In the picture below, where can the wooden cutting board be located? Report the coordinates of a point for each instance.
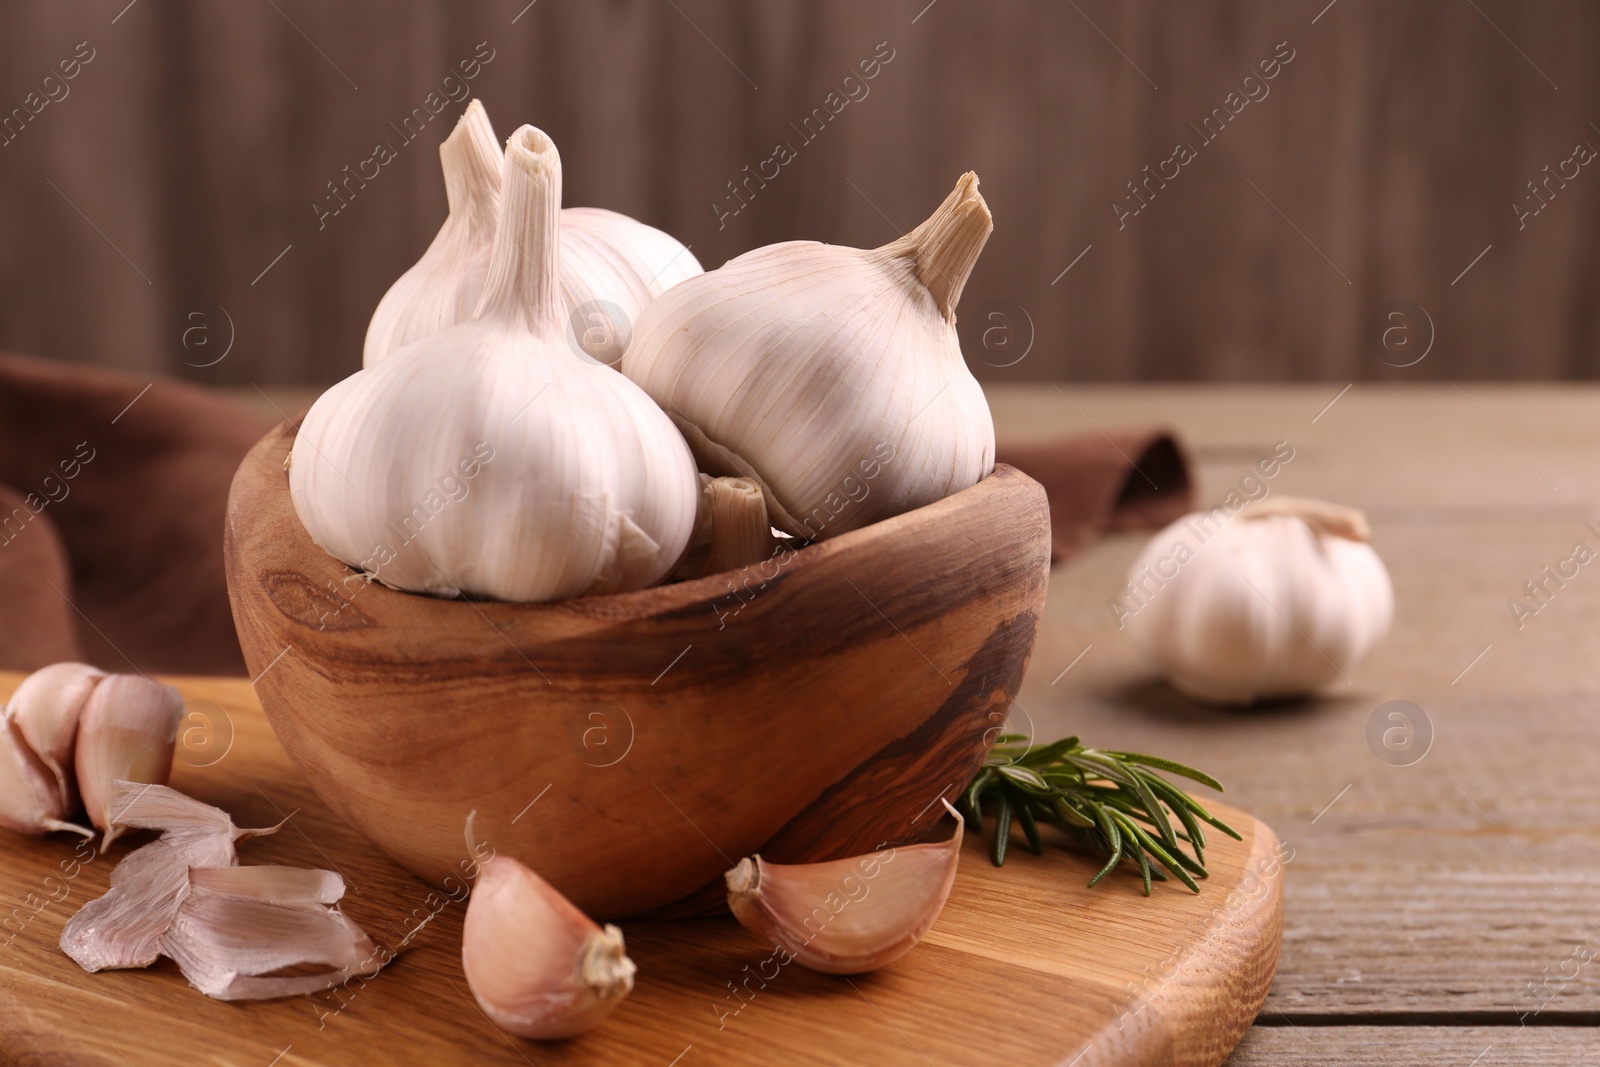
(1025, 965)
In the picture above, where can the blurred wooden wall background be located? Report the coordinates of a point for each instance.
(187, 155)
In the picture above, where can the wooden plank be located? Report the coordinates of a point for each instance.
(1355, 151)
(1025, 965)
(1417, 1046)
(1411, 892)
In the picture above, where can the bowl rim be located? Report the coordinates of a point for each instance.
(263, 475)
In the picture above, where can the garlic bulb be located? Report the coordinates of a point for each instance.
(847, 916)
(831, 375)
(1277, 601)
(538, 966)
(126, 734)
(611, 265)
(489, 458)
(442, 288)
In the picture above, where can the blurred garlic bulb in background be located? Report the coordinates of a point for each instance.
(832, 376)
(1278, 601)
(490, 458)
(611, 265)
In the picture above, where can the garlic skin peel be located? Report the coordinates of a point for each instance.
(831, 375)
(1276, 602)
(537, 965)
(443, 287)
(490, 458)
(611, 266)
(851, 915)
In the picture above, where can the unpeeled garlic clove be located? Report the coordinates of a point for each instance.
(46, 707)
(539, 967)
(126, 734)
(851, 915)
(30, 801)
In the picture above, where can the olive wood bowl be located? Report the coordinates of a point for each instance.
(631, 747)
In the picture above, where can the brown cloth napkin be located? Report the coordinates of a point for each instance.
(130, 476)
(1100, 482)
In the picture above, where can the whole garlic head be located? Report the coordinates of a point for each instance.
(832, 376)
(490, 458)
(1277, 601)
(611, 265)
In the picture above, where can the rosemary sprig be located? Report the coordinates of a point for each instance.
(1113, 800)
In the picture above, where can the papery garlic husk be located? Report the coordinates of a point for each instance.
(443, 287)
(123, 927)
(611, 265)
(538, 966)
(1276, 601)
(490, 459)
(237, 926)
(126, 733)
(851, 915)
(831, 375)
(30, 802)
(46, 707)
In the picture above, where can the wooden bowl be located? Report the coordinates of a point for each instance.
(632, 747)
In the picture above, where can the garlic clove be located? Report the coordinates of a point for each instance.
(30, 799)
(442, 288)
(46, 707)
(237, 926)
(538, 966)
(126, 734)
(833, 376)
(850, 915)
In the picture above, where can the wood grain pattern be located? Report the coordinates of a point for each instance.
(201, 135)
(1025, 966)
(810, 708)
(1453, 891)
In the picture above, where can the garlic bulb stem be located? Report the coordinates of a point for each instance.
(1320, 515)
(524, 284)
(740, 531)
(470, 158)
(946, 246)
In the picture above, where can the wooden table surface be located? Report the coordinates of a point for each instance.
(1431, 909)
